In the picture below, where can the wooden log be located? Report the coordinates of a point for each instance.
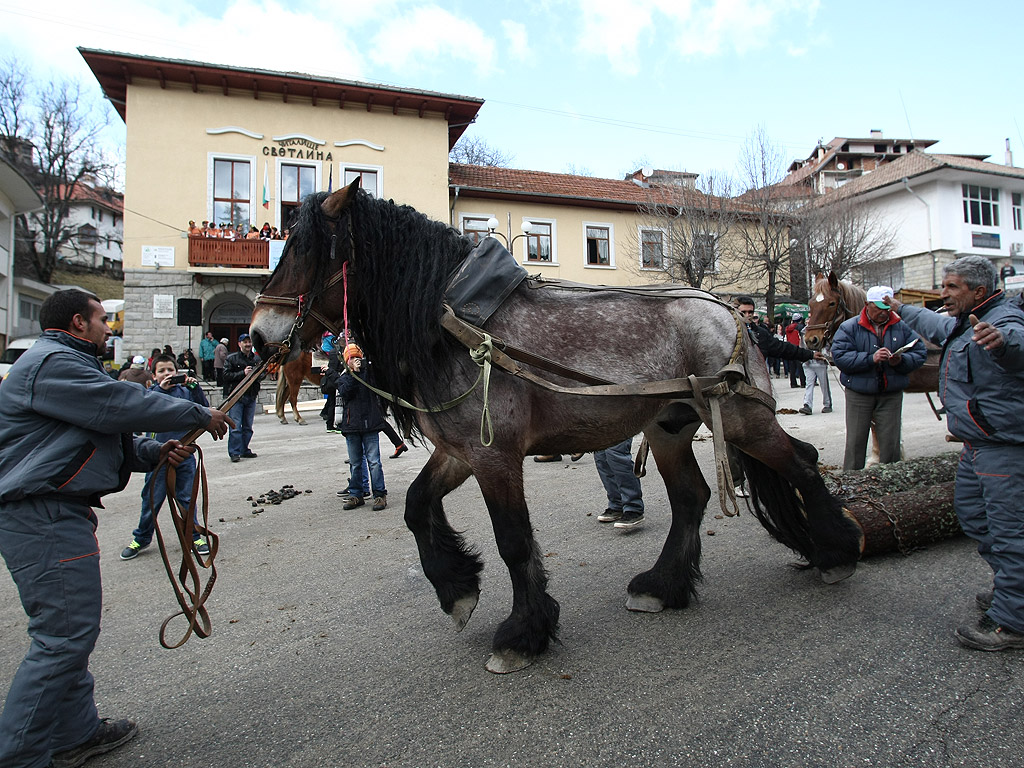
(901, 506)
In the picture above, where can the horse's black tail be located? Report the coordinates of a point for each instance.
(808, 520)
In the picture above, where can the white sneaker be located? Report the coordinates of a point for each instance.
(741, 493)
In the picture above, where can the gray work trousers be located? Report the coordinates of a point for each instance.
(886, 411)
(51, 551)
(987, 501)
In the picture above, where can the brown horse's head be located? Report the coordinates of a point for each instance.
(305, 295)
(832, 301)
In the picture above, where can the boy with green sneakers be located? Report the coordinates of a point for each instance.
(155, 490)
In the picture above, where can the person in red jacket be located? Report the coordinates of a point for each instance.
(794, 334)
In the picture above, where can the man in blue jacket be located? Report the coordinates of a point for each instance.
(981, 383)
(65, 441)
(871, 352)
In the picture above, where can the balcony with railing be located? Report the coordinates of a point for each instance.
(209, 252)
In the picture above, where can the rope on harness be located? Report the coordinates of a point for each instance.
(481, 355)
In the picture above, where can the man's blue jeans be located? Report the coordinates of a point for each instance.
(157, 483)
(242, 413)
(364, 445)
(615, 468)
(50, 549)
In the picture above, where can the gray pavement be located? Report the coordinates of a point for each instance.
(329, 648)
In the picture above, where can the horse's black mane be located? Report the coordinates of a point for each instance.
(397, 274)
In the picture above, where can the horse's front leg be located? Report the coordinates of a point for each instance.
(451, 566)
(533, 622)
(672, 581)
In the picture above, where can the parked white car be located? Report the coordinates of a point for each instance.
(14, 350)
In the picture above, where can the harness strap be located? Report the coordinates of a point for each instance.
(723, 472)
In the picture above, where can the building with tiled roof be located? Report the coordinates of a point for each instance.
(843, 159)
(586, 229)
(941, 207)
(96, 219)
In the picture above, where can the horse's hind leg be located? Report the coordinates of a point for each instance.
(671, 582)
(533, 622)
(294, 400)
(451, 566)
(281, 395)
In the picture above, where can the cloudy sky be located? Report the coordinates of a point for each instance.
(604, 86)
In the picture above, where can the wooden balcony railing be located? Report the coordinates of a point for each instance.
(213, 252)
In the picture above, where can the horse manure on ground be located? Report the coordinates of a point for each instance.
(275, 497)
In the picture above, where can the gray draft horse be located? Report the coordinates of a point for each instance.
(389, 264)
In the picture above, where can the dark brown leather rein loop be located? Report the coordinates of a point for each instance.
(189, 590)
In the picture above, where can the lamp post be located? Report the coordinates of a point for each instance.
(492, 225)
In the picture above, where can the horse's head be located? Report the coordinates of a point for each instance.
(305, 295)
(826, 311)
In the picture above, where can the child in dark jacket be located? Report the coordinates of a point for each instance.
(361, 420)
(155, 490)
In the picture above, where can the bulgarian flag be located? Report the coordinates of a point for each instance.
(266, 189)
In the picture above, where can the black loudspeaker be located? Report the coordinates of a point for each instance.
(190, 312)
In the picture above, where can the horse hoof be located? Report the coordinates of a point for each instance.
(301, 421)
(503, 662)
(463, 609)
(644, 603)
(284, 421)
(837, 574)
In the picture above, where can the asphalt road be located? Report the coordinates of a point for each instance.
(329, 648)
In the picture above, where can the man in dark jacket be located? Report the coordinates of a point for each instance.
(237, 366)
(873, 353)
(981, 384)
(361, 420)
(770, 346)
(65, 441)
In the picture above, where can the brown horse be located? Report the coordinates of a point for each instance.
(350, 250)
(833, 301)
(290, 376)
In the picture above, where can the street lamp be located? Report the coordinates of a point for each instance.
(492, 225)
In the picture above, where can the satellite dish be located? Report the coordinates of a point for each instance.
(647, 171)
(840, 166)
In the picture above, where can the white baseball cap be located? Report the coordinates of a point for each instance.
(877, 294)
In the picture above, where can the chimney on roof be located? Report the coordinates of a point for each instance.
(876, 133)
(1009, 155)
(19, 150)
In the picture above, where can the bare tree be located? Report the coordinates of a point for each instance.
(841, 235)
(472, 150)
(63, 131)
(684, 229)
(768, 216)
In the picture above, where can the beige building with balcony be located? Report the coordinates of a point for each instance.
(226, 144)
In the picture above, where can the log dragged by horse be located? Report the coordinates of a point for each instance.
(390, 265)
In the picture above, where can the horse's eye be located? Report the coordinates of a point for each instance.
(831, 303)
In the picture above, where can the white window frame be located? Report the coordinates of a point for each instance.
(463, 216)
(611, 244)
(318, 183)
(665, 247)
(992, 203)
(362, 168)
(1017, 210)
(554, 242)
(251, 159)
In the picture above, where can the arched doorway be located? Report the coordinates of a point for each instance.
(230, 319)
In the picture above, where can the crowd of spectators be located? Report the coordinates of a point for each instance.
(229, 231)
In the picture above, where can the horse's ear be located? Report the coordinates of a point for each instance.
(819, 277)
(833, 280)
(335, 204)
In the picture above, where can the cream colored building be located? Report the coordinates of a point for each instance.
(207, 142)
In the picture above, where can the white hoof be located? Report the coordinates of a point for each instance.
(503, 662)
(644, 603)
(463, 609)
(837, 574)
